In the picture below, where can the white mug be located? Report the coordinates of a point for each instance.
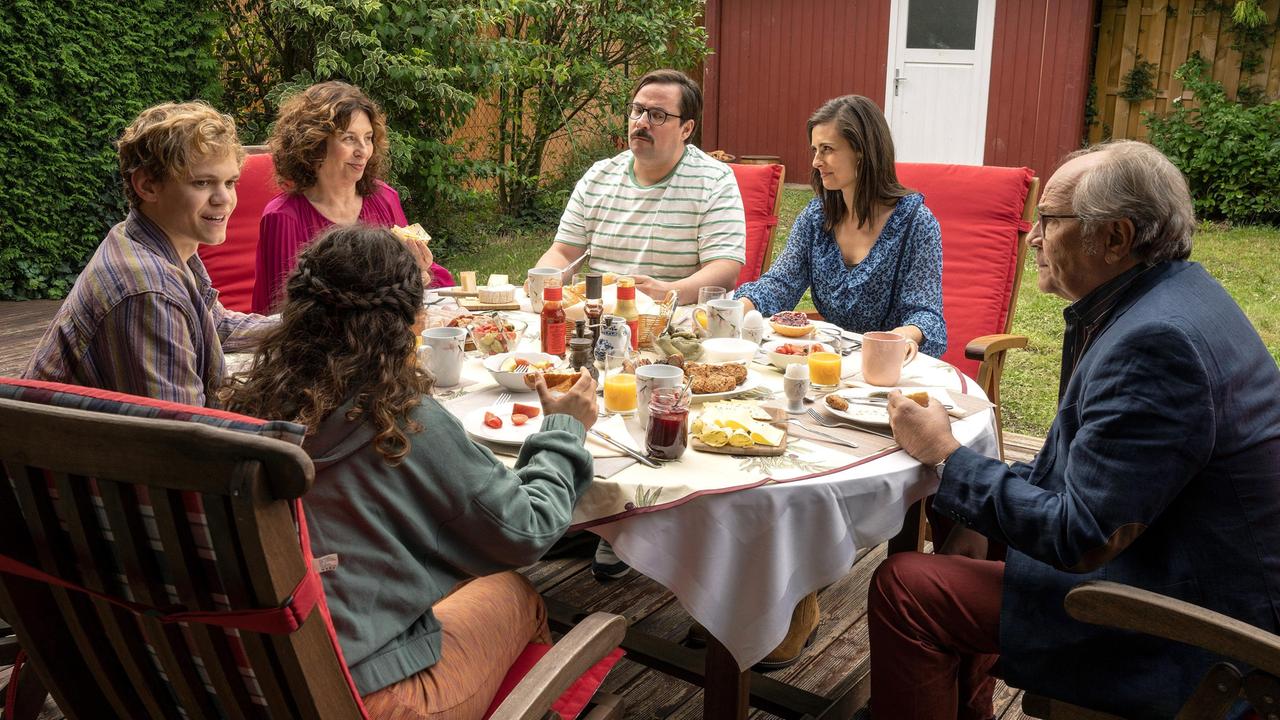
(724, 318)
(537, 281)
(443, 351)
(650, 377)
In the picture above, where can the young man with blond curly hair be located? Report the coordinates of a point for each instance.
(143, 317)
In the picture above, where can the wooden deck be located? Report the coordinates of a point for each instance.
(836, 660)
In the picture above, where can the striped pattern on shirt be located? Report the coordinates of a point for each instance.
(667, 230)
(138, 321)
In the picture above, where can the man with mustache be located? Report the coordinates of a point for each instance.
(662, 211)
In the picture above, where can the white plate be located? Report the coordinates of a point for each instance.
(876, 415)
(508, 434)
(751, 383)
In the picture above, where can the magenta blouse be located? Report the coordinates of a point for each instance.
(290, 222)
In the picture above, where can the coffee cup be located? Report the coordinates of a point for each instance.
(442, 350)
(724, 318)
(883, 356)
(537, 281)
(649, 378)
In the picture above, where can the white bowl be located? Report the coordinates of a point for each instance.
(717, 350)
(782, 360)
(514, 381)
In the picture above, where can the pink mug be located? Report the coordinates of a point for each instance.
(883, 356)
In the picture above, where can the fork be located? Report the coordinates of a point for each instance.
(819, 433)
(827, 422)
(503, 399)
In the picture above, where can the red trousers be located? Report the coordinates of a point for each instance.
(935, 629)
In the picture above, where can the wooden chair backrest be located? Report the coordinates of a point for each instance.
(160, 512)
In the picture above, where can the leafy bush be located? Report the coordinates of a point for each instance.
(1229, 152)
(72, 75)
(561, 65)
(421, 60)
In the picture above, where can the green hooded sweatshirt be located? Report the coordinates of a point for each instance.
(404, 536)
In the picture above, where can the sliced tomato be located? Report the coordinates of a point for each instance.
(492, 420)
(527, 410)
(519, 419)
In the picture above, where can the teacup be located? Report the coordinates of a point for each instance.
(648, 379)
(724, 318)
(442, 349)
(883, 356)
(537, 281)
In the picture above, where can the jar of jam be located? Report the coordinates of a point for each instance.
(667, 434)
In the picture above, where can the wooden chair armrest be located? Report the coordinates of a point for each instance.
(981, 348)
(583, 646)
(1130, 608)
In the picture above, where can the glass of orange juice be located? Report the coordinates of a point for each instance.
(824, 369)
(620, 393)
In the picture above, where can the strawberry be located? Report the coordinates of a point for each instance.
(527, 410)
(519, 419)
(492, 420)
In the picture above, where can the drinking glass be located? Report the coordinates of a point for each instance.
(705, 295)
(619, 385)
(824, 369)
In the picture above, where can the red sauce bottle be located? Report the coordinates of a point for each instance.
(553, 321)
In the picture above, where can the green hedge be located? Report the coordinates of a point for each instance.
(72, 75)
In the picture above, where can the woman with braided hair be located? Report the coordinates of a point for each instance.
(425, 524)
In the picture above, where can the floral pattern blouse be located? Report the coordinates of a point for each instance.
(898, 283)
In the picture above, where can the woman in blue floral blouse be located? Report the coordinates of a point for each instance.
(869, 248)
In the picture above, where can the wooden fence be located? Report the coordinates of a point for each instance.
(1165, 33)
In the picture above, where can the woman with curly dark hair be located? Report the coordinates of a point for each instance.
(329, 146)
(423, 522)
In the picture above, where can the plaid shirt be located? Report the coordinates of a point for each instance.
(139, 322)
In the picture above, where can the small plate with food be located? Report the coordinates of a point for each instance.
(788, 352)
(504, 424)
(868, 405)
(715, 381)
(792, 324)
(510, 369)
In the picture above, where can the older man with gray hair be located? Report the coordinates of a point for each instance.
(1161, 470)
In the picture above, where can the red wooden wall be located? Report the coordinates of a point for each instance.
(776, 61)
(1039, 81)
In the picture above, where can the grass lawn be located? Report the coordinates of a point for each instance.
(1240, 258)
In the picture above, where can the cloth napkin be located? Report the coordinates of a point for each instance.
(615, 426)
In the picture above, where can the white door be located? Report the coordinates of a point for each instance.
(939, 74)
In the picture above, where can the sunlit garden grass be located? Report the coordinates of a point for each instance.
(1241, 258)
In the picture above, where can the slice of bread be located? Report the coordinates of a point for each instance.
(921, 398)
(558, 381)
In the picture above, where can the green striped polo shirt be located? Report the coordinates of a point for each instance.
(667, 230)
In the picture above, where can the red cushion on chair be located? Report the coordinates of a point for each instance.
(574, 699)
(980, 211)
(232, 264)
(759, 185)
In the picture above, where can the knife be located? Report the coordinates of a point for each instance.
(566, 275)
(638, 456)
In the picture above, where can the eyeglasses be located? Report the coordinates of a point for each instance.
(1049, 216)
(657, 116)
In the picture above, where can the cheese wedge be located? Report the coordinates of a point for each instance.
(741, 438)
(497, 279)
(714, 436)
(467, 280)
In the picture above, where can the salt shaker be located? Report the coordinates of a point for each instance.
(753, 327)
(795, 385)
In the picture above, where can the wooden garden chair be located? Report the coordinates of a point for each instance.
(1129, 608)
(181, 530)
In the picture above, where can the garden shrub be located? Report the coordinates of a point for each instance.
(72, 75)
(1229, 152)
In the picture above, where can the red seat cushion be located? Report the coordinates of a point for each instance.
(980, 211)
(232, 264)
(574, 699)
(759, 185)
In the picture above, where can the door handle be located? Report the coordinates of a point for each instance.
(897, 81)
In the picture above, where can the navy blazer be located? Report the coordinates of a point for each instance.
(1162, 471)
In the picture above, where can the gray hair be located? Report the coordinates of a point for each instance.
(1135, 181)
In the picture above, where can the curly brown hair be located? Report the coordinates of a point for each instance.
(300, 138)
(346, 332)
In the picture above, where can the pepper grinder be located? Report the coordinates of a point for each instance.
(795, 385)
